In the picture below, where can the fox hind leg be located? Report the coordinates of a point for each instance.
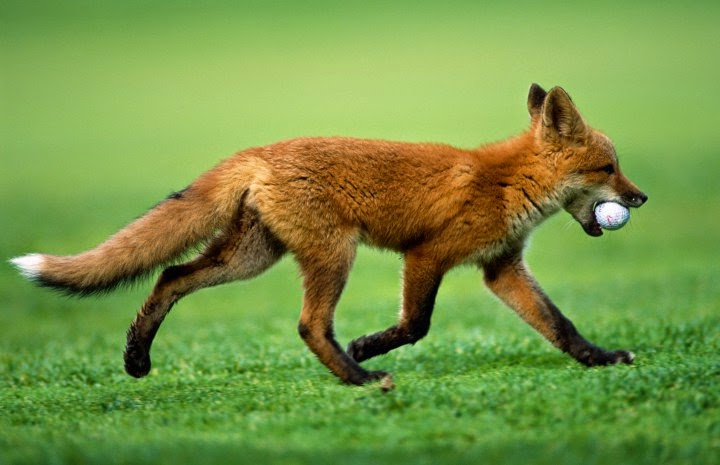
(243, 251)
(324, 279)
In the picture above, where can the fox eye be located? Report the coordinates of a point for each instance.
(609, 169)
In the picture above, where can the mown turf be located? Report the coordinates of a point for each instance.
(107, 107)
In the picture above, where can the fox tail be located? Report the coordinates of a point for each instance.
(161, 236)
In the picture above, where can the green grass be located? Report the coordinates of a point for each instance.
(107, 107)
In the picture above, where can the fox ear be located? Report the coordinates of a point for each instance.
(560, 118)
(536, 97)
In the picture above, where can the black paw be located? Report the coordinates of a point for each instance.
(385, 379)
(365, 347)
(599, 357)
(622, 356)
(354, 350)
(137, 361)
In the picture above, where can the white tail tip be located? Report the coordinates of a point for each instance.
(29, 265)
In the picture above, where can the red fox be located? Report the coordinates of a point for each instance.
(318, 198)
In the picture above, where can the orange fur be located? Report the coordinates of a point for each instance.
(318, 198)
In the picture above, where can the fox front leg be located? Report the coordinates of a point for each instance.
(510, 280)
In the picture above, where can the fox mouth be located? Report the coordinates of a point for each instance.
(585, 216)
(592, 227)
(582, 209)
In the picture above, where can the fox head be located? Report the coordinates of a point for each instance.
(584, 158)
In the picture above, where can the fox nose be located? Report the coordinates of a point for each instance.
(638, 199)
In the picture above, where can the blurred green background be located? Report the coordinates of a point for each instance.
(108, 106)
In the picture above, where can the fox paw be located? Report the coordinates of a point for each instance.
(355, 351)
(137, 361)
(622, 356)
(366, 377)
(601, 357)
(385, 378)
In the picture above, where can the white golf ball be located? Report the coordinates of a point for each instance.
(611, 215)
